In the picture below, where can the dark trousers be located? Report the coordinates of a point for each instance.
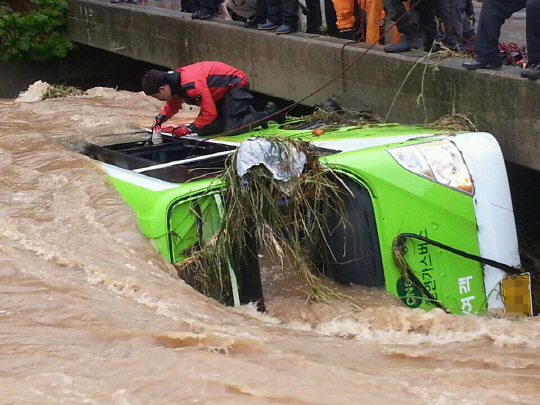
(456, 24)
(283, 12)
(469, 10)
(206, 7)
(234, 111)
(330, 17)
(186, 6)
(469, 14)
(493, 15)
(261, 12)
(314, 18)
(423, 16)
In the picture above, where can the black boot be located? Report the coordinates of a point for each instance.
(346, 33)
(532, 72)
(272, 108)
(432, 46)
(253, 22)
(405, 44)
(477, 64)
(201, 15)
(330, 105)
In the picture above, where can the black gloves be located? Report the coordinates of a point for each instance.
(158, 121)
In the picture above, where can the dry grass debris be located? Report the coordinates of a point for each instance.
(57, 91)
(329, 120)
(455, 123)
(290, 216)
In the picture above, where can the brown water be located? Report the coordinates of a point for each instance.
(90, 313)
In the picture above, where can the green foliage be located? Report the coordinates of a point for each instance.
(36, 33)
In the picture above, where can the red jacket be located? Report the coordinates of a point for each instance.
(202, 84)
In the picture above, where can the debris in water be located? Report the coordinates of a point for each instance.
(34, 93)
(39, 91)
(56, 91)
(290, 218)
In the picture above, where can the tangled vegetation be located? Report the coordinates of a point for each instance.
(33, 29)
(455, 123)
(327, 119)
(290, 216)
(56, 91)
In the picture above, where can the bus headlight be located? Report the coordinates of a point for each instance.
(439, 161)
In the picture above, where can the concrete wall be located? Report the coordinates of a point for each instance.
(82, 68)
(18, 75)
(294, 66)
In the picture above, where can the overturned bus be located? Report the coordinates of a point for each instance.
(441, 199)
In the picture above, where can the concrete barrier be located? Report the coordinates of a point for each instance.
(405, 88)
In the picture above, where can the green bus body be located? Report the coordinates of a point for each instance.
(403, 202)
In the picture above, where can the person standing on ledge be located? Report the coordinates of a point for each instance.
(420, 16)
(221, 91)
(282, 16)
(492, 16)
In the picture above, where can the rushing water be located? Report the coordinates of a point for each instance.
(90, 313)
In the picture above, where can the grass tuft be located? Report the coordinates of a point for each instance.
(290, 218)
(57, 91)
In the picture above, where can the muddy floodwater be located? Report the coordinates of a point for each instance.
(90, 313)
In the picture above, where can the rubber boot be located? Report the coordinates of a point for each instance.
(346, 33)
(405, 44)
(272, 108)
(532, 72)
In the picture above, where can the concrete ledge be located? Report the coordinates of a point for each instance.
(293, 66)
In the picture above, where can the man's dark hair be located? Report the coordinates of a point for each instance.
(152, 81)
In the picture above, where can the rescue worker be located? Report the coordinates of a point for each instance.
(408, 23)
(455, 24)
(375, 26)
(492, 16)
(221, 91)
(345, 19)
(354, 20)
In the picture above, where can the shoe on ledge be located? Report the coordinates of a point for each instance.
(199, 15)
(405, 44)
(253, 22)
(267, 26)
(284, 29)
(476, 64)
(346, 33)
(532, 72)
